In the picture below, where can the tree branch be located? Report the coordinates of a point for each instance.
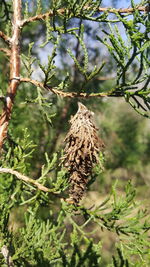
(27, 180)
(5, 38)
(61, 11)
(69, 94)
(14, 71)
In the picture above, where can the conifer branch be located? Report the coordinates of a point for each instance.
(112, 93)
(42, 16)
(69, 94)
(61, 11)
(5, 38)
(26, 179)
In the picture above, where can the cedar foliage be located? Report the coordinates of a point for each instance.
(40, 228)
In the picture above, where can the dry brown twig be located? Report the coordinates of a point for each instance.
(81, 152)
(25, 179)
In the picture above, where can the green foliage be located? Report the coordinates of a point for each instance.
(111, 225)
(28, 60)
(43, 237)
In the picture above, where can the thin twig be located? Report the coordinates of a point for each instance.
(42, 16)
(69, 94)
(5, 38)
(61, 11)
(138, 103)
(26, 179)
(111, 93)
(124, 10)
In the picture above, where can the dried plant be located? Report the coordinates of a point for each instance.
(81, 152)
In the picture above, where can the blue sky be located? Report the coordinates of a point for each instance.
(121, 3)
